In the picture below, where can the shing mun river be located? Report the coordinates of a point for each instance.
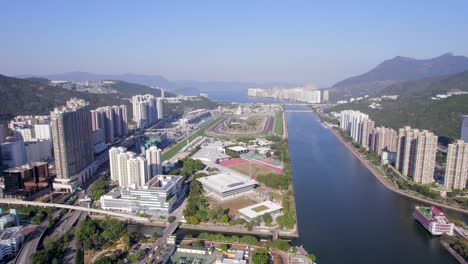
(345, 215)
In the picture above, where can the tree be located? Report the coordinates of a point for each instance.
(260, 256)
(267, 219)
(223, 247)
(192, 220)
(225, 218)
(171, 218)
(312, 257)
(196, 244)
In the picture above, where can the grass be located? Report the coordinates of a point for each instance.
(260, 208)
(278, 123)
(244, 168)
(232, 205)
(177, 147)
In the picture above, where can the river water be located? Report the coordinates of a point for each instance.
(344, 213)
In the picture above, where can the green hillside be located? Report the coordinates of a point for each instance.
(442, 117)
(25, 97)
(415, 107)
(127, 89)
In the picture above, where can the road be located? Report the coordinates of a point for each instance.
(30, 246)
(74, 207)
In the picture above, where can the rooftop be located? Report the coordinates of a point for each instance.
(260, 209)
(228, 181)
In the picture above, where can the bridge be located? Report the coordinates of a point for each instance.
(74, 207)
(299, 111)
(303, 104)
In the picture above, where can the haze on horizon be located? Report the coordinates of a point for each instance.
(261, 41)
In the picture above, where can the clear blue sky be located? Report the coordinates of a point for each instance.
(294, 41)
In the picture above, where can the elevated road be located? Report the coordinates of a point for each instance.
(74, 207)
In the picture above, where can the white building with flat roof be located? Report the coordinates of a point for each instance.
(227, 185)
(251, 212)
(156, 198)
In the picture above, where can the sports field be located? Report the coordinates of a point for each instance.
(250, 168)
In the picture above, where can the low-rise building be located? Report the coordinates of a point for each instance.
(249, 213)
(227, 185)
(157, 197)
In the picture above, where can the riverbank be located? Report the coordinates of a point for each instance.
(383, 180)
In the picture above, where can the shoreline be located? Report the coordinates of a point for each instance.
(387, 184)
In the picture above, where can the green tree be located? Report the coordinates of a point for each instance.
(267, 219)
(223, 247)
(260, 256)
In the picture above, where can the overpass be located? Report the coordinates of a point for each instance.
(74, 207)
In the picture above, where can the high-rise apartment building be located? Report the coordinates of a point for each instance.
(456, 170)
(464, 128)
(352, 122)
(128, 168)
(383, 139)
(365, 130)
(73, 147)
(416, 154)
(154, 158)
(160, 108)
(145, 110)
(112, 120)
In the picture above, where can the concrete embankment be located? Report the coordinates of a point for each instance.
(453, 253)
(238, 230)
(285, 125)
(382, 179)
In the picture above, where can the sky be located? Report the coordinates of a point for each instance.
(317, 42)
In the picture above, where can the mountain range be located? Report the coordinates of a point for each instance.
(182, 87)
(417, 107)
(397, 70)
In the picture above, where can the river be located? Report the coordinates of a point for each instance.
(344, 213)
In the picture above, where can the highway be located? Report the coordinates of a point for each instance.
(74, 207)
(30, 245)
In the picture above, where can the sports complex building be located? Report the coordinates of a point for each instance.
(227, 185)
(249, 213)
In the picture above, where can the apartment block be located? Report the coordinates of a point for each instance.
(456, 170)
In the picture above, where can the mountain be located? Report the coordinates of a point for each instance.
(26, 97)
(415, 106)
(127, 89)
(397, 70)
(149, 80)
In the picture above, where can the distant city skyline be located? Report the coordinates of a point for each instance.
(299, 42)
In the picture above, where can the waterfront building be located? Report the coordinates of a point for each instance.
(433, 220)
(13, 154)
(73, 146)
(325, 96)
(10, 242)
(250, 213)
(157, 197)
(352, 122)
(464, 128)
(112, 120)
(365, 129)
(154, 158)
(307, 94)
(383, 139)
(416, 154)
(227, 185)
(456, 170)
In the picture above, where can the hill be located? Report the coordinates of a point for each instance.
(415, 107)
(150, 80)
(25, 97)
(126, 89)
(397, 70)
